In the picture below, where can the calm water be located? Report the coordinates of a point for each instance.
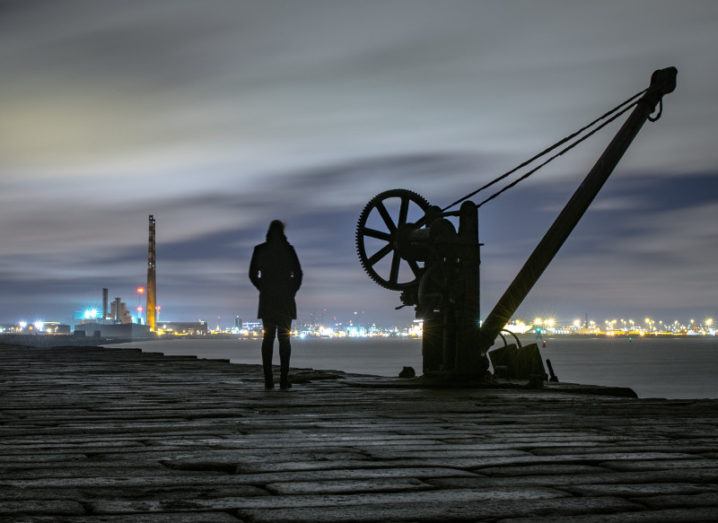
(667, 368)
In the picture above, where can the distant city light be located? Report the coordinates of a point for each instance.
(140, 290)
(326, 331)
(541, 327)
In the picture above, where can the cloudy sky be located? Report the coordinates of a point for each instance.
(219, 116)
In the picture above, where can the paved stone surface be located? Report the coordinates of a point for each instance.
(116, 435)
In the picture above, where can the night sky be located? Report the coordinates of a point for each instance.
(220, 116)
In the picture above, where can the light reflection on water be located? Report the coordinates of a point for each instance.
(667, 368)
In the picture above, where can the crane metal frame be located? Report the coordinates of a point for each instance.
(445, 290)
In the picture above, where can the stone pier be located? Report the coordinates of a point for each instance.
(118, 435)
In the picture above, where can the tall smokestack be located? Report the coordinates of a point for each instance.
(118, 310)
(152, 279)
(105, 298)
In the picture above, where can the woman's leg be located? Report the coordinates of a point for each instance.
(285, 351)
(270, 330)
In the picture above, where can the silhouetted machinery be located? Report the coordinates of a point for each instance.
(406, 244)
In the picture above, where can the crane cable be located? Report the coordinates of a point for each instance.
(552, 158)
(619, 110)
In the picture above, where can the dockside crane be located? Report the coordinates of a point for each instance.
(400, 228)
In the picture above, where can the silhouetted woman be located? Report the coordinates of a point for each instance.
(277, 275)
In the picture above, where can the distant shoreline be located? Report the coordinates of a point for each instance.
(33, 340)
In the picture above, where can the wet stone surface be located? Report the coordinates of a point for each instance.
(101, 434)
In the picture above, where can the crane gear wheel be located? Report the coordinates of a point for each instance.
(388, 235)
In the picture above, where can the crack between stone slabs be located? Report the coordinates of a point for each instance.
(86, 506)
(233, 513)
(596, 463)
(226, 468)
(637, 502)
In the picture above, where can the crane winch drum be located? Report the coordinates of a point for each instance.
(406, 244)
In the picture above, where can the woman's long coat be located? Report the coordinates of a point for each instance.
(276, 273)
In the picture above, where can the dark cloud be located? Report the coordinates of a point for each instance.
(218, 117)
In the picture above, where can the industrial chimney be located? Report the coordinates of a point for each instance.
(105, 298)
(117, 307)
(151, 279)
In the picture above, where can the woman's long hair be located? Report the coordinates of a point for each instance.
(275, 232)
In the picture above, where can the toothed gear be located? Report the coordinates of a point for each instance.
(391, 224)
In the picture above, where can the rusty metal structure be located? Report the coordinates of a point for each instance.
(152, 278)
(406, 244)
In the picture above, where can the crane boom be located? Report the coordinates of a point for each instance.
(663, 81)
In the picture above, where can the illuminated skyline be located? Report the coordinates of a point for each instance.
(705, 324)
(219, 120)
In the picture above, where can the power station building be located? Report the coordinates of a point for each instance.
(120, 313)
(113, 330)
(115, 321)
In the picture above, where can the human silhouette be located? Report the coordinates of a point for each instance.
(276, 273)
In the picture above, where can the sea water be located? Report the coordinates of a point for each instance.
(685, 367)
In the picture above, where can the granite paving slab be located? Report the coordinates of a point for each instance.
(96, 434)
